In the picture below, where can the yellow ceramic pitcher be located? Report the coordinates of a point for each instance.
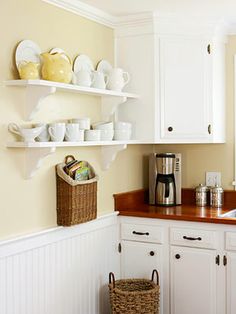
(29, 70)
(56, 67)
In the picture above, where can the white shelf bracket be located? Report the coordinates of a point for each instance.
(33, 159)
(34, 95)
(108, 154)
(110, 104)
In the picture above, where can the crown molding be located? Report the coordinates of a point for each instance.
(85, 10)
(147, 21)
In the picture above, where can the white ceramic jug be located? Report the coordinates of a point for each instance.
(27, 134)
(117, 79)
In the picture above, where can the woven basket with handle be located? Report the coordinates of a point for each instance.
(76, 200)
(134, 296)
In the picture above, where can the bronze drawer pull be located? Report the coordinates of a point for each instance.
(192, 239)
(141, 233)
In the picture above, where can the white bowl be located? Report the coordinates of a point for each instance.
(122, 135)
(107, 135)
(103, 126)
(92, 135)
(121, 125)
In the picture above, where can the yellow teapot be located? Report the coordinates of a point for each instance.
(56, 67)
(29, 70)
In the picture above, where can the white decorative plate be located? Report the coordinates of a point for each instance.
(104, 67)
(83, 62)
(27, 50)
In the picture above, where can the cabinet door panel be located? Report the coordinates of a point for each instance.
(193, 281)
(231, 283)
(185, 88)
(138, 260)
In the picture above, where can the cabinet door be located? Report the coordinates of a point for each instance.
(231, 283)
(193, 281)
(138, 260)
(185, 89)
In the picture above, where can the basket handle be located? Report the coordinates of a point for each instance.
(69, 158)
(112, 279)
(153, 274)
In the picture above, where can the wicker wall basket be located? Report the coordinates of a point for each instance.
(134, 296)
(76, 200)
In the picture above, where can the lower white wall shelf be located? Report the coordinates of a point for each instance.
(35, 152)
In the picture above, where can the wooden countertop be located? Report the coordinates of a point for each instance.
(135, 203)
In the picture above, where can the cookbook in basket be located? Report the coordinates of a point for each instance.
(76, 200)
(134, 296)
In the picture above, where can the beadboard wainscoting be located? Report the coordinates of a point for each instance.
(60, 271)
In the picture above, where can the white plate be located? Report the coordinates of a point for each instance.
(64, 54)
(83, 62)
(27, 50)
(104, 67)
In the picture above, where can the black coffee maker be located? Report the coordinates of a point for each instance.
(164, 179)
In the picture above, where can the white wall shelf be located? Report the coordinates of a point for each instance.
(37, 90)
(35, 152)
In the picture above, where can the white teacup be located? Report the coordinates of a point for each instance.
(100, 80)
(57, 131)
(44, 136)
(73, 132)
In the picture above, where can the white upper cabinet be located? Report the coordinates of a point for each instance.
(178, 69)
(185, 83)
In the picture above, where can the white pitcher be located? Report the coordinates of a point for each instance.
(118, 79)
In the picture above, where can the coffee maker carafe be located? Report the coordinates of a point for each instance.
(165, 179)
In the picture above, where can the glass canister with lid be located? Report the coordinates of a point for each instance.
(201, 195)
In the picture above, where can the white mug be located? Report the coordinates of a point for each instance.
(83, 78)
(117, 79)
(44, 136)
(57, 131)
(84, 123)
(73, 133)
(100, 80)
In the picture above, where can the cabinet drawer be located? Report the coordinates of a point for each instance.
(142, 233)
(193, 238)
(230, 241)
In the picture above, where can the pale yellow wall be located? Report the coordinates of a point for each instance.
(197, 159)
(30, 205)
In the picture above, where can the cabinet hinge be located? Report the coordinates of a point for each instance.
(209, 49)
(218, 259)
(225, 260)
(119, 247)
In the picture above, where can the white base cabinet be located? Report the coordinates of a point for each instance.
(196, 262)
(231, 283)
(193, 281)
